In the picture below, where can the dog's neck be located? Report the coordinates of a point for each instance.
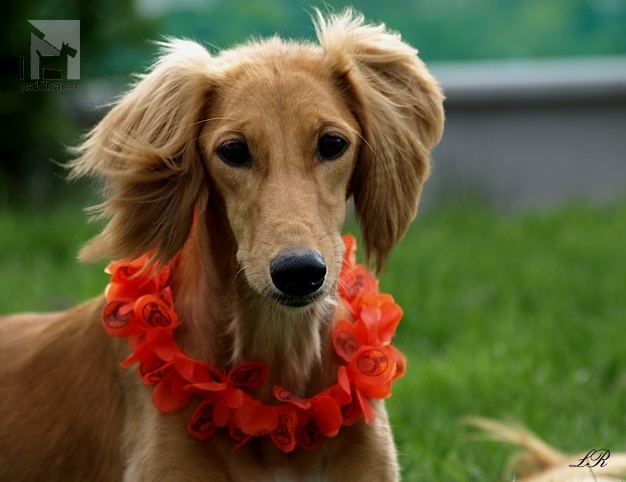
(225, 323)
(294, 343)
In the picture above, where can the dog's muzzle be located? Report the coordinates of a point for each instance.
(298, 275)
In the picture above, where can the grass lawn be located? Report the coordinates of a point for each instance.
(516, 317)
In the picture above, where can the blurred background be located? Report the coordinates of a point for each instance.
(536, 88)
(512, 281)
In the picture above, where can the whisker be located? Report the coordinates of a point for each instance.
(210, 119)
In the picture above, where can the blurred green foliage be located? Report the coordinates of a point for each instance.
(37, 125)
(441, 29)
(116, 40)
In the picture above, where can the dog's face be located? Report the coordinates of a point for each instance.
(280, 145)
(282, 133)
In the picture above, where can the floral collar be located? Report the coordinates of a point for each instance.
(140, 307)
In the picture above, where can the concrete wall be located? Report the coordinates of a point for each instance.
(528, 134)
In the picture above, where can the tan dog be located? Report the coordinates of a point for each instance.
(539, 462)
(242, 164)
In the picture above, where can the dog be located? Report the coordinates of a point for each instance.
(238, 168)
(539, 462)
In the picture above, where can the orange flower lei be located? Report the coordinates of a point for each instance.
(140, 307)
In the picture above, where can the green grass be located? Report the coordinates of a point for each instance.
(38, 265)
(519, 317)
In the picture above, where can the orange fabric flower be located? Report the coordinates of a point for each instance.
(140, 307)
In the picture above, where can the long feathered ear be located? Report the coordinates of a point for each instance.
(400, 108)
(145, 150)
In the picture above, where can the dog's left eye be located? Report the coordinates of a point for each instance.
(331, 147)
(235, 153)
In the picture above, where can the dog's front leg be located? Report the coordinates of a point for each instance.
(367, 452)
(159, 449)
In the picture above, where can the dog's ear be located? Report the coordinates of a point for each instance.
(399, 106)
(145, 151)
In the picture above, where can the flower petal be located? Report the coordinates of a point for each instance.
(221, 413)
(327, 414)
(169, 394)
(156, 374)
(371, 320)
(154, 313)
(202, 426)
(255, 418)
(233, 397)
(400, 362)
(369, 414)
(163, 344)
(309, 434)
(248, 375)
(344, 340)
(206, 387)
(116, 318)
(372, 365)
(192, 370)
(284, 435)
(357, 280)
(285, 396)
(391, 314)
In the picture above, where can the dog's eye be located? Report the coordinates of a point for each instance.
(331, 147)
(235, 153)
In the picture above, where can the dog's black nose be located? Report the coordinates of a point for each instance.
(298, 273)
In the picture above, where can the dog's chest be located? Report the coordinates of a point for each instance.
(290, 476)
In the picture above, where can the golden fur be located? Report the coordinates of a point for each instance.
(539, 462)
(67, 411)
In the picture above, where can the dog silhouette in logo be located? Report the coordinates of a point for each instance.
(54, 67)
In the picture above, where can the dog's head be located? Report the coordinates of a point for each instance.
(282, 134)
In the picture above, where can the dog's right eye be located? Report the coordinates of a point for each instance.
(330, 147)
(235, 153)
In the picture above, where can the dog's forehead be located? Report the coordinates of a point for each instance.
(288, 79)
(290, 92)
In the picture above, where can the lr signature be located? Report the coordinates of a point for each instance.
(593, 458)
